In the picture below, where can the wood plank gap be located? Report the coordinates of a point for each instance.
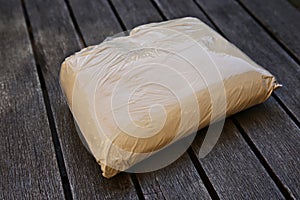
(55, 140)
(282, 45)
(77, 29)
(158, 10)
(137, 186)
(210, 19)
(284, 190)
(283, 106)
(295, 4)
(117, 15)
(212, 192)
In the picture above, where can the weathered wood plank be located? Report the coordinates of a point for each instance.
(281, 141)
(134, 13)
(244, 32)
(269, 107)
(93, 16)
(234, 170)
(172, 10)
(281, 19)
(28, 165)
(246, 183)
(55, 38)
(176, 181)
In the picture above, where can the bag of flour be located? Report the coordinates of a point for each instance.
(135, 95)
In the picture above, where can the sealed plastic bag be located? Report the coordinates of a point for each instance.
(134, 95)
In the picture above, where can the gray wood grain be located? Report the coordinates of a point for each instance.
(269, 108)
(245, 33)
(278, 140)
(234, 170)
(95, 19)
(176, 181)
(55, 38)
(281, 19)
(28, 165)
(173, 10)
(134, 13)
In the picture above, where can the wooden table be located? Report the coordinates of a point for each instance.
(41, 155)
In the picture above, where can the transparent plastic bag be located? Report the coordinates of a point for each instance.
(142, 91)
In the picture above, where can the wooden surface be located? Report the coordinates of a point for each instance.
(28, 163)
(257, 156)
(280, 19)
(83, 173)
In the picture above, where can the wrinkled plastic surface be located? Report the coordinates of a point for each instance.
(134, 95)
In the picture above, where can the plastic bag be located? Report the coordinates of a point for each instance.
(132, 96)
